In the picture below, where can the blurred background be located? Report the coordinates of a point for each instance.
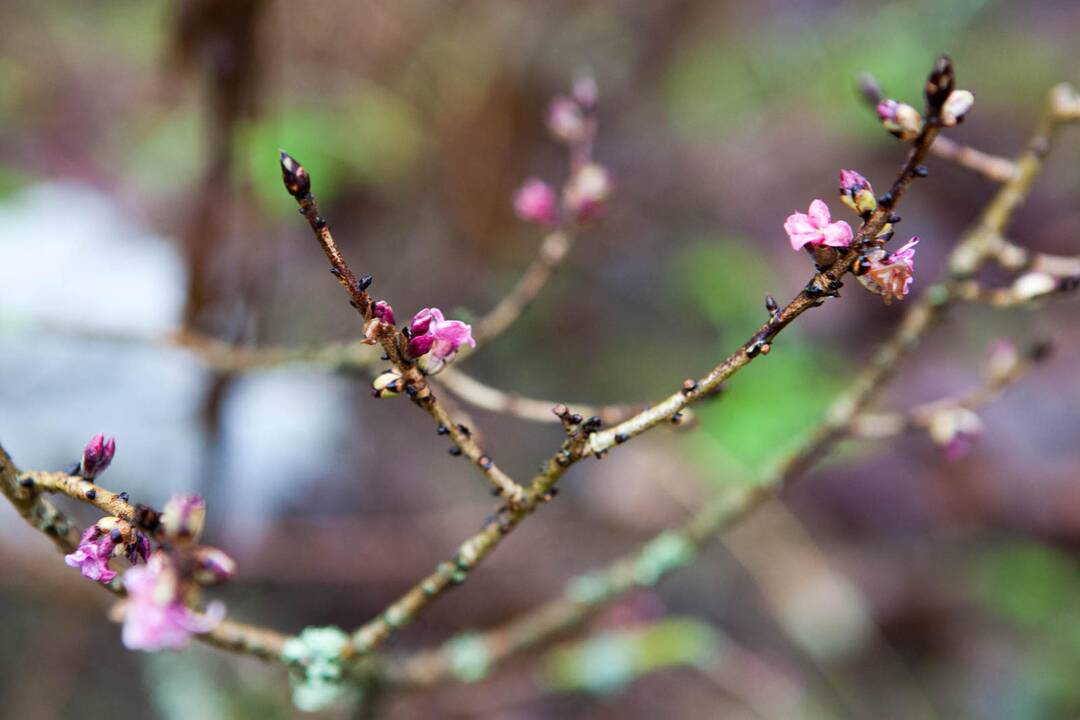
(139, 192)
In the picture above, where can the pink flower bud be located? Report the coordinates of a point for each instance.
(97, 456)
(420, 345)
(535, 202)
(384, 312)
(856, 192)
(586, 192)
(901, 119)
(183, 518)
(421, 322)
(565, 120)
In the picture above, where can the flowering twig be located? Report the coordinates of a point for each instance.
(675, 548)
(25, 491)
(394, 343)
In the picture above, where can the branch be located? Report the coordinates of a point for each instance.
(24, 490)
(298, 183)
(675, 548)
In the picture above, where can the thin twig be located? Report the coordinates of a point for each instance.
(588, 593)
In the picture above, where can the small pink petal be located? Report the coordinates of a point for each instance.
(837, 234)
(819, 214)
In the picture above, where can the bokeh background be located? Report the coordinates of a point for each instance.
(139, 192)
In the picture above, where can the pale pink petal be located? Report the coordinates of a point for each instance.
(819, 214)
(800, 231)
(837, 234)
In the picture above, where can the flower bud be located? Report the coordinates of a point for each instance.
(856, 192)
(535, 202)
(1033, 285)
(389, 384)
(421, 322)
(954, 429)
(183, 518)
(956, 107)
(420, 345)
(900, 119)
(97, 455)
(586, 192)
(296, 178)
(565, 120)
(384, 312)
(213, 566)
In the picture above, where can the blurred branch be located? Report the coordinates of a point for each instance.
(676, 548)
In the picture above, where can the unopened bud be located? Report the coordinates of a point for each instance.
(956, 107)
(384, 312)
(97, 456)
(585, 90)
(183, 518)
(389, 384)
(296, 178)
(535, 202)
(901, 119)
(586, 192)
(954, 429)
(856, 192)
(213, 566)
(940, 82)
(1034, 284)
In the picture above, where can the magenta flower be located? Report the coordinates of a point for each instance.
(384, 312)
(434, 334)
(155, 616)
(97, 456)
(93, 555)
(535, 202)
(815, 228)
(889, 274)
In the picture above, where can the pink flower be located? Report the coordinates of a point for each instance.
(536, 202)
(93, 555)
(889, 274)
(815, 228)
(97, 455)
(384, 312)
(155, 617)
(439, 336)
(955, 429)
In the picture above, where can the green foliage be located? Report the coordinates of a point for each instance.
(369, 135)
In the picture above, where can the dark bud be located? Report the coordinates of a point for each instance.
(485, 462)
(593, 423)
(442, 429)
(124, 497)
(296, 178)
(364, 282)
(147, 518)
(940, 83)
(73, 468)
(455, 451)
(922, 171)
(770, 304)
(621, 438)
(26, 481)
(689, 385)
(893, 217)
(575, 419)
(464, 430)
(1069, 283)
(116, 536)
(885, 199)
(1040, 351)
(91, 494)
